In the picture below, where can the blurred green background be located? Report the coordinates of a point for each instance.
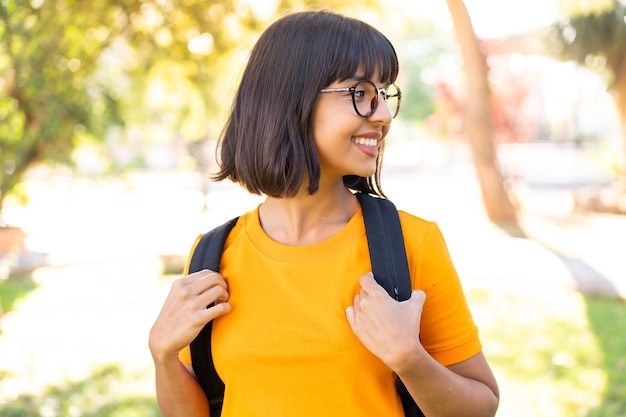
(511, 136)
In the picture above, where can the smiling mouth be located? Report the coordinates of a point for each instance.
(367, 142)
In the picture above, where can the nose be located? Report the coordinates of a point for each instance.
(383, 113)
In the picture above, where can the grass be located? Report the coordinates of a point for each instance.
(608, 322)
(106, 393)
(13, 289)
(554, 353)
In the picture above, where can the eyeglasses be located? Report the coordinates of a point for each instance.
(365, 97)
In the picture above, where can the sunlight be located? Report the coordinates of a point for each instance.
(491, 18)
(585, 7)
(261, 9)
(201, 45)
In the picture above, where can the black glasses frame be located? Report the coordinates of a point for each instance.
(374, 103)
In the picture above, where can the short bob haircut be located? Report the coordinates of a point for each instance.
(267, 144)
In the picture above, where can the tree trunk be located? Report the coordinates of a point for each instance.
(619, 93)
(479, 121)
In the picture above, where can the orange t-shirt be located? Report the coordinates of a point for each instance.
(286, 348)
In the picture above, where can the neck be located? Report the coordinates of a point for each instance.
(308, 219)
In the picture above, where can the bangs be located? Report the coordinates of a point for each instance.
(363, 51)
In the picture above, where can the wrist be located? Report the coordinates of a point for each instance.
(162, 356)
(408, 357)
(166, 360)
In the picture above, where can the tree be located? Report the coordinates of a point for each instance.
(72, 69)
(478, 121)
(48, 53)
(594, 34)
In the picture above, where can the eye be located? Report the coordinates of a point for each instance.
(359, 93)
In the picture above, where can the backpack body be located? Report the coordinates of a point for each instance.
(390, 269)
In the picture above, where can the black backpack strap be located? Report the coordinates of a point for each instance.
(208, 251)
(207, 255)
(386, 246)
(389, 264)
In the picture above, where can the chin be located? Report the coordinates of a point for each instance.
(365, 173)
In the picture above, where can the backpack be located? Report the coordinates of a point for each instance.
(390, 269)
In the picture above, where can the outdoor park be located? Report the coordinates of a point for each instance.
(511, 137)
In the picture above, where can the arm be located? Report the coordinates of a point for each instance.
(183, 315)
(178, 392)
(467, 388)
(390, 330)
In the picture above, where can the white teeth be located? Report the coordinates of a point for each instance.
(367, 142)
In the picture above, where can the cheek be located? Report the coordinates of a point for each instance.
(332, 137)
(323, 126)
(333, 126)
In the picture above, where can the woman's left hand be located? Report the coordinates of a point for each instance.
(388, 328)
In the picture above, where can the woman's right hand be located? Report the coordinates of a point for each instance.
(185, 312)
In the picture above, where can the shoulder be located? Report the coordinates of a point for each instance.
(246, 222)
(417, 230)
(234, 226)
(411, 220)
(428, 255)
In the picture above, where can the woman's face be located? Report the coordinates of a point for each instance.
(348, 144)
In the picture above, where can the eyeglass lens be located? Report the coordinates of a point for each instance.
(366, 96)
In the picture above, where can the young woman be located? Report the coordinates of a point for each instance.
(300, 326)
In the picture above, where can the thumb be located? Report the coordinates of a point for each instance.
(418, 297)
(350, 315)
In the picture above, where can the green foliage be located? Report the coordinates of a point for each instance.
(564, 352)
(608, 321)
(103, 394)
(13, 289)
(423, 53)
(48, 54)
(596, 40)
(75, 69)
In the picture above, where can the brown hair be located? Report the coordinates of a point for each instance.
(267, 144)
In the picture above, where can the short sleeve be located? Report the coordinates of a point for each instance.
(447, 330)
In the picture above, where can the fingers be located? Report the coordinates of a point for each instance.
(205, 287)
(373, 295)
(368, 283)
(354, 310)
(382, 324)
(199, 298)
(418, 296)
(217, 309)
(193, 301)
(350, 316)
(202, 280)
(369, 286)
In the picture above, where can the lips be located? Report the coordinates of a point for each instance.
(369, 146)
